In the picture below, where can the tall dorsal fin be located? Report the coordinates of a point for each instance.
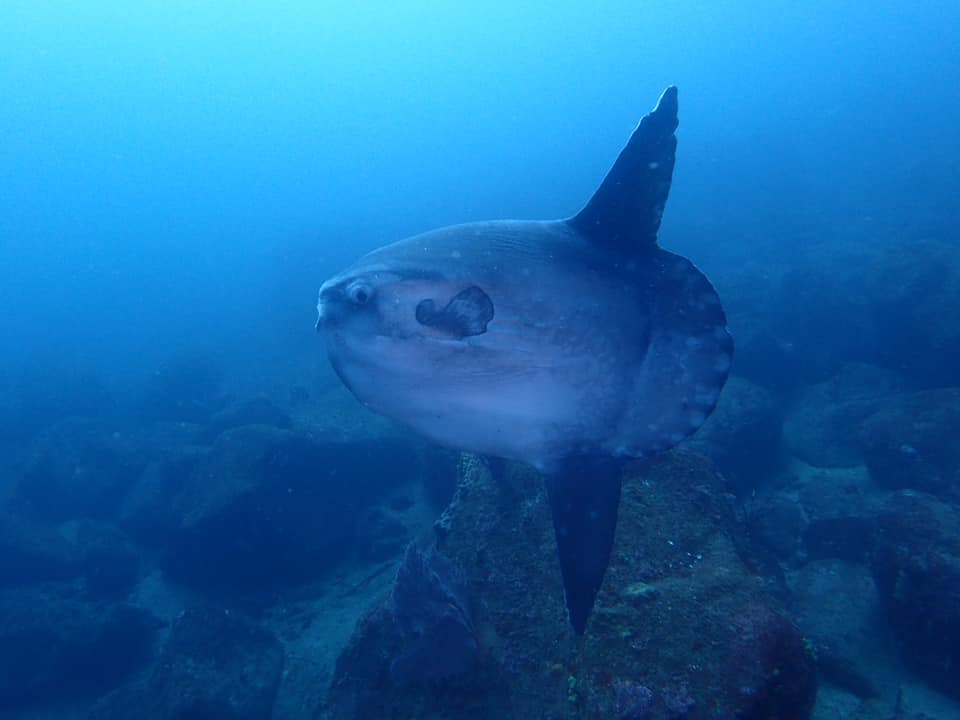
(625, 211)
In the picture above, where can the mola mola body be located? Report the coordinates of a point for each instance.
(572, 344)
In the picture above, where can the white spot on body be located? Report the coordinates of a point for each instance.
(909, 450)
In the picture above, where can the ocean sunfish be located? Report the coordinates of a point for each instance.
(572, 345)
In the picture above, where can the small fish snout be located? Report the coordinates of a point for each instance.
(328, 302)
(323, 306)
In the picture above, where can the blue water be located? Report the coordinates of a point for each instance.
(178, 178)
(187, 173)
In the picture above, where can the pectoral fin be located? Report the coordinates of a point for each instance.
(467, 313)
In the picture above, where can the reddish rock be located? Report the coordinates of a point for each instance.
(679, 613)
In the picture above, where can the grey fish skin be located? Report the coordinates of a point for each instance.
(567, 344)
(583, 353)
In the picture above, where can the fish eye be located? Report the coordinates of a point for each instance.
(359, 293)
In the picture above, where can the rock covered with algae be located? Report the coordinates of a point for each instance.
(681, 626)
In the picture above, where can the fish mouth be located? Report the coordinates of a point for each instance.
(338, 351)
(329, 330)
(328, 310)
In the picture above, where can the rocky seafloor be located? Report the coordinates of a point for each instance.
(195, 550)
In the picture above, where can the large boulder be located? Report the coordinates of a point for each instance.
(816, 513)
(186, 387)
(821, 427)
(77, 468)
(680, 627)
(776, 522)
(818, 320)
(54, 647)
(45, 393)
(911, 442)
(98, 554)
(267, 506)
(916, 562)
(148, 513)
(426, 628)
(429, 603)
(214, 664)
(381, 533)
(891, 305)
(838, 607)
(31, 553)
(253, 411)
(159, 440)
(110, 561)
(913, 295)
(742, 436)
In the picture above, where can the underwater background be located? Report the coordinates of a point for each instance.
(198, 521)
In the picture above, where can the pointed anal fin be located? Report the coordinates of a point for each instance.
(624, 213)
(584, 497)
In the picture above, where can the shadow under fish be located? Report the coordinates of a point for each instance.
(573, 345)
